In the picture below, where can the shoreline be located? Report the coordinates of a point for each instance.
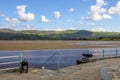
(87, 71)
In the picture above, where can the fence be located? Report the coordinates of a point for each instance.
(64, 60)
(11, 62)
(105, 53)
(56, 59)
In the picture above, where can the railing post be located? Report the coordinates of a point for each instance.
(103, 53)
(20, 58)
(59, 60)
(116, 52)
(88, 51)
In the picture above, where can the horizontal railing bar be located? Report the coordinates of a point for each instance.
(9, 68)
(9, 57)
(10, 62)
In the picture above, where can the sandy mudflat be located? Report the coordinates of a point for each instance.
(52, 44)
(88, 71)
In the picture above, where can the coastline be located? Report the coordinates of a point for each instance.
(87, 71)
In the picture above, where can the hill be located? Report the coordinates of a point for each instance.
(8, 34)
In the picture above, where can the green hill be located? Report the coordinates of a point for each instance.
(8, 34)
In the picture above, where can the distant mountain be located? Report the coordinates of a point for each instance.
(6, 30)
(8, 34)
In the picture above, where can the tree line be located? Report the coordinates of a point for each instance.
(65, 35)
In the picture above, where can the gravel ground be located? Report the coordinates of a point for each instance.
(87, 71)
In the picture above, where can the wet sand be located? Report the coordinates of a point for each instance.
(40, 45)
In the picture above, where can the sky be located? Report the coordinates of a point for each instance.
(60, 15)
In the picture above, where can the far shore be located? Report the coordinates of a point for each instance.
(56, 44)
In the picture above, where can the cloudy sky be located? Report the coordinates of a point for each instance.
(58, 15)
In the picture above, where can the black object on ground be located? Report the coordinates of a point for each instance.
(24, 66)
(87, 55)
(85, 59)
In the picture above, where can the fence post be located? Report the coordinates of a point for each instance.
(59, 60)
(20, 58)
(116, 52)
(88, 51)
(103, 53)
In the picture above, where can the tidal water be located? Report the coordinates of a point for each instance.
(54, 59)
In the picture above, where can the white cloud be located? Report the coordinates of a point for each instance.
(27, 27)
(55, 29)
(85, 18)
(14, 25)
(98, 12)
(23, 16)
(57, 14)
(106, 16)
(116, 9)
(43, 19)
(91, 24)
(98, 16)
(12, 20)
(72, 28)
(98, 30)
(98, 7)
(71, 9)
(89, 12)
(59, 29)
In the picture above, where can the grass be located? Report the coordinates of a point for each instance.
(40, 45)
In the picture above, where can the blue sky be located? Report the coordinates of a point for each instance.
(58, 15)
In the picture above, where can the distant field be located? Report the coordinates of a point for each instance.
(39, 45)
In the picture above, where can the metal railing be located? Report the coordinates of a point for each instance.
(63, 58)
(56, 59)
(105, 53)
(11, 62)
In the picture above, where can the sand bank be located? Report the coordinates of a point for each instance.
(52, 44)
